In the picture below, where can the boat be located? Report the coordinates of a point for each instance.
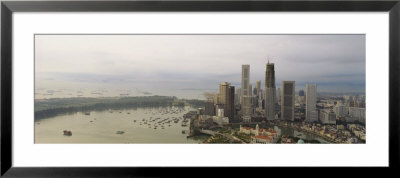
(87, 113)
(67, 132)
(120, 132)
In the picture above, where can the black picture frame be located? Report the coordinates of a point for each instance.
(8, 7)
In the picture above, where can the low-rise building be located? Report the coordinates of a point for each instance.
(263, 139)
(271, 133)
(220, 120)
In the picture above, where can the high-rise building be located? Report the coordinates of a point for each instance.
(216, 99)
(251, 96)
(209, 108)
(254, 98)
(258, 87)
(287, 100)
(238, 96)
(227, 99)
(311, 102)
(257, 94)
(246, 107)
(223, 92)
(301, 92)
(246, 91)
(245, 80)
(231, 106)
(260, 99)
(278, 96)
(270, 91)
(250, 90)
(328, 116)
(341, 110)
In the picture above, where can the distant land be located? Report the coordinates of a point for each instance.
(45, 108)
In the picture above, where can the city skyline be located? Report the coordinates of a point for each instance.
(338, 61)
(156, 69)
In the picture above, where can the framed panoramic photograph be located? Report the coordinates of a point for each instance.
(113, 88)
(128, 89)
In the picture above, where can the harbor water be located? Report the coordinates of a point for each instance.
(139, 125)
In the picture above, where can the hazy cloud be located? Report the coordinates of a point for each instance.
(334, 62)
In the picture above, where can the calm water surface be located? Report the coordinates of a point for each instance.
(102, 127)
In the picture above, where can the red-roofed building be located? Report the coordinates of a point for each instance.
(267, 135)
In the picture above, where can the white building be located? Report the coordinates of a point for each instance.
(246, 118)
(260, 135)
(219, 118)
(328, 117)
(220, 112)
(311, 102)
(357, 113)
(341, 110)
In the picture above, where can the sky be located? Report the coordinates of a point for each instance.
(336, 63)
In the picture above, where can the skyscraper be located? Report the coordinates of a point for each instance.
(231, 100)
(246, 91)
(238, 96)
(250, 90)
(287, 100)
(227, 99)
(258, 86)
(270, 91)
(301, 92)
(223, 92)
(311, 102)
(209, 108)
(245, 79)
(257, 94)
(278, 96)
